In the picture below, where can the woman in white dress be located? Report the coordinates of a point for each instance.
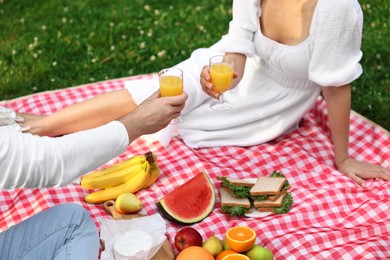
(286, 53)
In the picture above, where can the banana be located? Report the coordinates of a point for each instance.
(154, 170)
(133, 185)
(138, 159)
(113, 179)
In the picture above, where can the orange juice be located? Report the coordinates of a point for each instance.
(221, 77)
(171, 86)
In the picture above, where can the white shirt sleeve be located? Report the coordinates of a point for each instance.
(32, 161)
(337, 44)
(241, 28)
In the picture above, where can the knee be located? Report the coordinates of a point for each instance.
(74, 211)
(73, 208)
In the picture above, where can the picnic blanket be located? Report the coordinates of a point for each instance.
(331, 217)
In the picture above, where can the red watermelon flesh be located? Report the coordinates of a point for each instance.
(191, 202)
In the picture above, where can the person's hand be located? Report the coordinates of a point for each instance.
(153, 114)
(205, 82)
(359, 170)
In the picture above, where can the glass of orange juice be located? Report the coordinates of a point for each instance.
(171, 84)
(221, 73)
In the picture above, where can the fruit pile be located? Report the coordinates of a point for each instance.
(238, 244)
(128, 176)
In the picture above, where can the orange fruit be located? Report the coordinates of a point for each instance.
(236, 257)
(224, 253)
(194, 253)
(241, 238)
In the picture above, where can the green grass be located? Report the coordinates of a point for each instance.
(53, 44)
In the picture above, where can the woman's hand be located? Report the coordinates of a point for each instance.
(360, 170)
(239, 67)
(205, 82)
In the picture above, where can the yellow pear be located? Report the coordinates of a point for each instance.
(213, 245)
(127, 203)
(259, 253)
(226, 246)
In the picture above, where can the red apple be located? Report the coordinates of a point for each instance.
(187, 237)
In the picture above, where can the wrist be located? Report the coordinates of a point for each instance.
(340, 159)
(131, 125)
(340, 153)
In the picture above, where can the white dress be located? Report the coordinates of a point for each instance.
(280, 83)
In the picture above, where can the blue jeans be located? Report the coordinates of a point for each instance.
(61, 232)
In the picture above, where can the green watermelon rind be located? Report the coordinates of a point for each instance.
(167, 212)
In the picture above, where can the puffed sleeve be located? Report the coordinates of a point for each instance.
(337, 43)
(241, 28)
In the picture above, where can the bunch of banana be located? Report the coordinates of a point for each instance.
(154, 170)
(131, 175)
(96, 179)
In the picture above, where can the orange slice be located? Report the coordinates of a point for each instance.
(236, 257)
(224, 253)
(241, 238)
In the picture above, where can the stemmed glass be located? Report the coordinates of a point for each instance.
(171, 84)
(221, 72)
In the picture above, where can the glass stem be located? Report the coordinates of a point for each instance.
(220, 99)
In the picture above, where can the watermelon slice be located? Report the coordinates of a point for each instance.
(191, 202)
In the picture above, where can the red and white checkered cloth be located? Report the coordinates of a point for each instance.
(331, 217)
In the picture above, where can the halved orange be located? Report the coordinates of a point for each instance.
(241, 238)
(224, 253)
(236, 257)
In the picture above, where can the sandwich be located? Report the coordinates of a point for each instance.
(239, 188)
(234, 206)
(266, 194)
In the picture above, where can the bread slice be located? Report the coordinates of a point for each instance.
(269, 203)
(276, 196)
(267, 186)
(238, 182)
(265, 209)
(229, 200)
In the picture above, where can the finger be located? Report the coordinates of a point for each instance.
(376, 171)
(180, 107)
(214, 94)
(207, 87)
(357, 179)
(205, 73)
(203, 83)
(176, 100)
(155, 95)
(175, 115)
(207, 90)
(176, 109)
(206, 84)
(184, 96)
(385, 175)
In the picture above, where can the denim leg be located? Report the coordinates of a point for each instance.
(62, 232)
